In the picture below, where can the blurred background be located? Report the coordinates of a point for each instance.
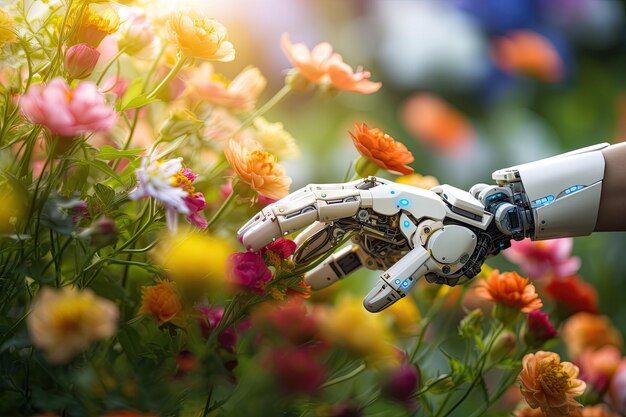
(469, 86)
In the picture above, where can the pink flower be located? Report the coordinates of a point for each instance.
(247, 269)
(538, 329)
(196, 204)
(282, 247)
(617, 388)
(537, 259)
(80, 60)
(321, 66)
(68, 111)
(115, 85)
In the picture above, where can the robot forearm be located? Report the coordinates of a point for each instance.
(550, 198)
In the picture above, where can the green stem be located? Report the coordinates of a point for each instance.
(177, 67)
(222, 208)
(345, 377)
(108, 66)
(282, 93)
(133, 126)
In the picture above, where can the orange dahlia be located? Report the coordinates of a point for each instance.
(549, 384)
(162, 302)
(510, 290)
(584, 332)
(383, 150)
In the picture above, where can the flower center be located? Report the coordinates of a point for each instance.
(68, 315)
(553, 376)
(180, 180)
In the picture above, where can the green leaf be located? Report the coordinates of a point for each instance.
(133, 91)
(105, 194)
(101, 166)
(138, 101)
(108, 153)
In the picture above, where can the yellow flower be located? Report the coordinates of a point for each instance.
(417, 180)
(65, 322)
(194, 259)
(549, 384)
(91, 26)
(162, 301)
(366, 334)
(406, 316)
(257, 168)
(199, 37)
(7, 28)
(275, 139)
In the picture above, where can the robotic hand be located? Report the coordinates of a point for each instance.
(443, 234)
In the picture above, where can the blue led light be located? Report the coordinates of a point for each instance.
(393, 192)
(542, 201)
(405, 283)
(404, 202)
(406, 223)
(397, 281)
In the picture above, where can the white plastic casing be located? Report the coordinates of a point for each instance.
(564, 191)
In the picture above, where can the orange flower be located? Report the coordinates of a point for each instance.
(529, 412)
(322, 66)
(511, 290)
(162, 301)
(528, 52)
(257, 168)
(549, 384)
(382, 149)
(437, 124)
(584, 331)
(597, 367)
(599, 410)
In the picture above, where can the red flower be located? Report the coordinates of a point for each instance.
(282, 247)
(538, 329)
(574, 294)
(291, 320)
(247, 269)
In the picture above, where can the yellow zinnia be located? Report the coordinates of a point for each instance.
(91, 26)
(7, 28)
(199, 37)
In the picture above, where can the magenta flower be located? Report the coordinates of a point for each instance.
(541, 258)
(402, 383)
(196, 204)
(538, 329)
(247, 269)
(68, 111)
(297, 370)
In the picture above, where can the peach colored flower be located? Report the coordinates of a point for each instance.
(540, 258)
(435, 123)
(239, 94)
(598, 410)
(585, 331)
(162, 302)
(321, 66)
(80, 60)
(275, 139)
(91, 26)
(550, 384)
(68, 111)
(136, 35)
(510, 289)
(67, 321)
(257, 168)
(199, 37)
(529, 412)
(418, 180)
(598, 366)
(527, 52)
(382, 149)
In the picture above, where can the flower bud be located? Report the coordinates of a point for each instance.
(101, 233)
(470, 324)
(136, 32)
(80, 60)
(441, 384)
(402, 383)
(504, 346)
(180, 123)
(538, 329)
